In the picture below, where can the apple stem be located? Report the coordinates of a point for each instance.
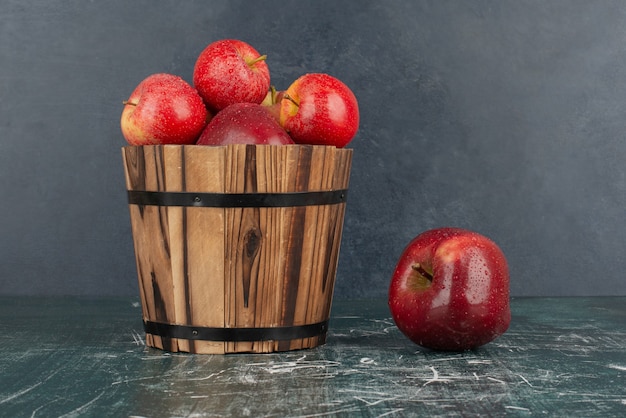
(254, 61)
(126, 102)
(273, 91)
(288, 97)
(421, 270)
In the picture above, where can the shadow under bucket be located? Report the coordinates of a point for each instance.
(236, 246)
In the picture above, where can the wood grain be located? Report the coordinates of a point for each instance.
(242, 267)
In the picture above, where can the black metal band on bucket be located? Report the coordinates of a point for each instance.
(236, 200)
(189, 332)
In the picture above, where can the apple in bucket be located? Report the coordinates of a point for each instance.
(244, 123)
(231, 71)
(450, 290)
(319, 109)
(163, 109)
(272, 102)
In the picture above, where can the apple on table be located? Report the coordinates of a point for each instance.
(450, 290)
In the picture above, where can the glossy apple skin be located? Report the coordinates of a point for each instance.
(467, 303)
(163, 109)
(319, 109)
(244, 123)
(230, 71)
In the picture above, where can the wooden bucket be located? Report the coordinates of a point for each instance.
(236, 246)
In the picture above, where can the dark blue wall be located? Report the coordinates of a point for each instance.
(505, 117)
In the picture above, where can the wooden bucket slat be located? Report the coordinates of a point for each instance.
(236, 267)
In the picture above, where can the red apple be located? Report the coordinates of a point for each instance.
(319, 109)
(244, 123)
(163, 109)
(450, 290)
(231, 71)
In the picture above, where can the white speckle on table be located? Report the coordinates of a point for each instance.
(375, 401)
(137, 338)
(19, 393)
(496, 380)
(298, 364)
(27, 389)
(517, 408)
(435, 377)
(83, 407)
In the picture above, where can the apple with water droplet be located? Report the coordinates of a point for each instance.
(163, 109)
(319, 109)
(450, 290)
(244, 123)
(231, 71)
